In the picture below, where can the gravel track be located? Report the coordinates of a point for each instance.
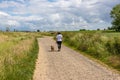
(67, 65)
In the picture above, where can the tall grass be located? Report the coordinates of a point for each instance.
(18, 52)
(99, 45)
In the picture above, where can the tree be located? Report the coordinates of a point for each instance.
(38, 30)
(109, 28)
(115, 14)
(7, 29)
(98, 29)
(82, 30)
(14, 30)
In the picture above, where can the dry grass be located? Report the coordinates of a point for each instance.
(3, 38)
(114, 60)
(18, 52)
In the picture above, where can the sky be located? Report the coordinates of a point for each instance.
(56, 15)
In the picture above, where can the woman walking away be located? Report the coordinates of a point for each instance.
(59, 40)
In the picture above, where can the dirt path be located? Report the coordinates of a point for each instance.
(67, 65)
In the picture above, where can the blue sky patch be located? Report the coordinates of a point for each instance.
(52, 0)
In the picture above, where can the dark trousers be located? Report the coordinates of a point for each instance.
(59, 44)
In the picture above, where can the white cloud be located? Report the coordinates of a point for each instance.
(55, 17)
(28, 18)
(59, 14)
(3, 14)
(13, 23)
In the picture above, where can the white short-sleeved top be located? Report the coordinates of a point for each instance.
(59, 37)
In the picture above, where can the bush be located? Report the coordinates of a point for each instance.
(113, 46)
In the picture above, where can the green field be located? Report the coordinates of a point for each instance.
(101, 45)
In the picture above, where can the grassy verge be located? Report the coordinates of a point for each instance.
(18, 53)
(98, 45)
